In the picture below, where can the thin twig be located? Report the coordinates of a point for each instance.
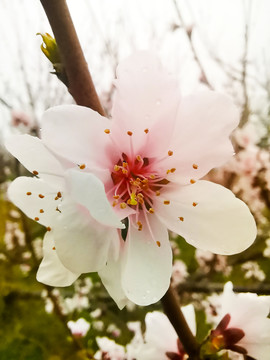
(80, 84)
(189, 37)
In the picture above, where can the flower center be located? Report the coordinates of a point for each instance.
(136, 183)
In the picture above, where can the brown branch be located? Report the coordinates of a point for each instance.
(80, 84)
(173, 311)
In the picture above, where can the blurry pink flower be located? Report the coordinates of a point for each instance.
(79, 327)
(141, 167)
(244, 313)
(161, 340)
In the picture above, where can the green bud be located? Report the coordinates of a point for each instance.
(50, 49)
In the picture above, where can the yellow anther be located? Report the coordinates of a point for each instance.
(36, 218)
(116, 197)
(132, 200)
(146, 131)
(107, 131)
(173, 170)
(28, 193)
(49, 228)
(83, 166)
(152, 176)
(151, 210)
(192, 181)
(170, 152)
(157, 193)
(195, 166)
(35, 172)
(130, 133)
(158, 243)
(41, 211)
(116, 168)
(166, 202)
(181, 218)
(194, 204)
(139, 225)
(41, 196)
(123, 205)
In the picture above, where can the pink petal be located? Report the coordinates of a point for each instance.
(35, 198)
(218, 222)
(77, 134)
(51, 271)
(147, 262)
(32, 153)
(82, 244)
(201, 138)
(89, 191)
(146, 98)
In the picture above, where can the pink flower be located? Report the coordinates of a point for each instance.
(141, 167)
(243, 323)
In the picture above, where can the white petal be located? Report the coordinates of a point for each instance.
(82, 244)
(40, 203)
(51, 271)
(147, 267)
(111, 279)
(204, 123)
(32, 153)
(77, 134)
(219, 222)
(146, 97)
(89, 191)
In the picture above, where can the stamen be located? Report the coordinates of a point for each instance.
(194, 204)
(36, 218)
(130, 133)
(82, 166)
(192, 181)
(49, 228)
(41, 196)
(28, 193)
(41, 211)
(35, 172)
(123, 205)
(107, 131)
(151, 210)
(166, 202)
(195, 166)
(158, 243)
(146, 131)
(170, 152)
(139, 225)
(181, 218)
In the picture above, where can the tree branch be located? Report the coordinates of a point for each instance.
(173, 311)
(80, 84)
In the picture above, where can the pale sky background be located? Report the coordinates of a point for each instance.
(110, 30)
